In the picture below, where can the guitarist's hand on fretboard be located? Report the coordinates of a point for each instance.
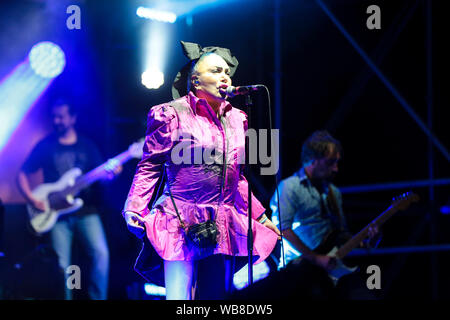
(373, 237)
(113, 168)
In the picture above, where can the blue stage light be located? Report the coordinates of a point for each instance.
(158, 15)
(47, 59)
(260, 271)
(154, 290)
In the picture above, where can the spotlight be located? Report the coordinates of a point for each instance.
(25, 84)
(154, 290)
(260, 271)
(47, 59)
(152, 78)
(158, 15)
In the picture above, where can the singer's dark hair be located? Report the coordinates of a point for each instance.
(317, 146)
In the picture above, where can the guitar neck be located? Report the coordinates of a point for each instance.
(356, 240)
(96, 174)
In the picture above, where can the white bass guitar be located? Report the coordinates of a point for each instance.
(59, 196)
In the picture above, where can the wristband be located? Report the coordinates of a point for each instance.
(263, 220)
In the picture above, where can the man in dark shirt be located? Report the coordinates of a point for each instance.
(55, 155)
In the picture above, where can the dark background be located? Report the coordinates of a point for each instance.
(324, 83)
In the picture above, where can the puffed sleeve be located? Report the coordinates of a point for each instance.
(241, 199)
(162, 123)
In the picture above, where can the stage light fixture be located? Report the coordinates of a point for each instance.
(154, 290)
(26, 83)
(158, 15)
(152, 78)
(47, 59)
(260, 271)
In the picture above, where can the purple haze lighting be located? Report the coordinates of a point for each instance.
(20, 89)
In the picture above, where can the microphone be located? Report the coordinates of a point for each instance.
(242, 90)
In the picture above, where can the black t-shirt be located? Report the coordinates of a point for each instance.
(55, 159)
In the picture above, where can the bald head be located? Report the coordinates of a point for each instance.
(210, 76)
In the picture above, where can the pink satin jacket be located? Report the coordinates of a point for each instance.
(186, 141)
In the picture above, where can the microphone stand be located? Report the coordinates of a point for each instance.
(248, 104)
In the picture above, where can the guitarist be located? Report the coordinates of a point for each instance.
(311, 213)
(59, 152)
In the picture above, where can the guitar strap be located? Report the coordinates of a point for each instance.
(331, 210)
(335, 208)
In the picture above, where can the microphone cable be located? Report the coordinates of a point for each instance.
(276, 180)
(276, 175)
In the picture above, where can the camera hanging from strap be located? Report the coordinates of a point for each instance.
(202, 235)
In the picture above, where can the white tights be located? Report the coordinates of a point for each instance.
(181, 278)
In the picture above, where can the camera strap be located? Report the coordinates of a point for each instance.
(173, 201)
(224, 170)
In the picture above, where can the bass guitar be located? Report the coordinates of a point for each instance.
(59, 196)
